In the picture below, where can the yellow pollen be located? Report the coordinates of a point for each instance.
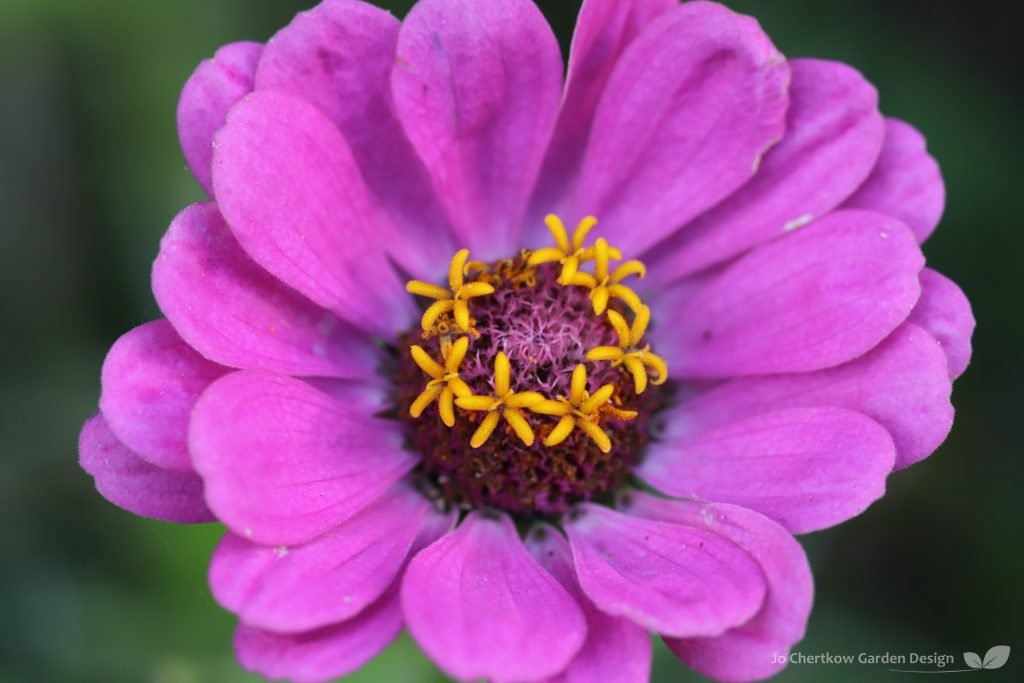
(604, 285)
(504, 403)
(445, 383)
(581, 410)
(628, 353)
(454, 300)
(449, 316)
(569, 255)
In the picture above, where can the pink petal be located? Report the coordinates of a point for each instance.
(481, 607)
(151, 380)
(293, 195)
(906, 182)
(339, 56)
(806, 468)
(369, 396)
(616, 650)
(236, 313)
(327, 580)
(130, 482)
(692, 105)
(821, 296)
(902, 384)
(322, 655)
(833, 137)
(750, 652)
(341, 648)
(283, 462)
(671, 579)
(945, 313)
(210, 92)
(604, 30)
(477, 85)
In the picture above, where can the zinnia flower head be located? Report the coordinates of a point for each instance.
(530, 365)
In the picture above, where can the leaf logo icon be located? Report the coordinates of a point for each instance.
(995, 658)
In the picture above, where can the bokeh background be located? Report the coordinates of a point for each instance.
(90, 176)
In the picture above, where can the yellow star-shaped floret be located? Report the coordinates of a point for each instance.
(569, 255)
(454, 299)
(503, 403)
(445, 383)
(604, 285)
(637, 360)
(582, 410)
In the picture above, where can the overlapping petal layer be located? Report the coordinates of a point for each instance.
(691, 106)
(671, 579)
(289, 187)
(128, 481)
(757, 649)
(283, 462)
(906, 182)
(209, 94)
(833, 138)
(339, 56)
(151, 380)
(238, 314)
(327, 580)
(481, 607)
(604, 30)
(821, 296)
(902, 384)
(806, 468)
(945, 313)
(340, 648)
(616, 650)
(476, 85)
(324, 654)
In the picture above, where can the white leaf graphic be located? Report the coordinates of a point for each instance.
(972, 660)
(996, 657)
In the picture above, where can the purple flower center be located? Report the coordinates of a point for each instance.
(545, 329)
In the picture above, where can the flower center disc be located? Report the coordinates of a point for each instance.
(545, 330)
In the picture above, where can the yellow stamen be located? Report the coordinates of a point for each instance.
(424, 400)
(445, 384)
(578, 388)
(449, 314)
(637, 361)
(478, 403)
(597, 399)
(435, 311)
(629, 268)
(597, 434)
(621, 327)
(569, 255)
(612, 353)
(581, 410)
(603, 285)
(639, 372)
(561, 431)
(580, 235)
(639, 326)
(627, 295)
(504, 403)
(484, 431)
(519, 425)
(425, 289)
(454, 299)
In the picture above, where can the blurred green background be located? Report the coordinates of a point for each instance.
(91, 175)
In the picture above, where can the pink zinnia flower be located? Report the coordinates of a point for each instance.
(471, 469)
